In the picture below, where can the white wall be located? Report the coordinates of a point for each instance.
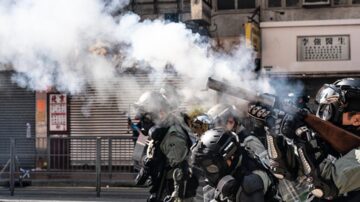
(279, 45)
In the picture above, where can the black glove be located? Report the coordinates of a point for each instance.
(259, 113)
(142, 176)
(287, 125)
(279, 122)
(145, 172)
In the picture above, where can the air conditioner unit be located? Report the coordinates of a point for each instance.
(201, 11)
(308, 3)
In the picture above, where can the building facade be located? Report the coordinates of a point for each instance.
(312, 41)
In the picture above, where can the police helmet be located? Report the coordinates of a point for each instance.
(221, 112)
(217, 153)
(148, 107)
(152, 101)
(201, 124)
(334, 99)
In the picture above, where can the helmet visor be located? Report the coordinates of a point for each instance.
(325, 112)
(328, 94)
(201, 124)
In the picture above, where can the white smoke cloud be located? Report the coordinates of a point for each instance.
(159, 44)
(48, 44)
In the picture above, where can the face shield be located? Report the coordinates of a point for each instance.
(223, 114)
(331, 101)
(329, 94)
(201, 124)
(148, 109)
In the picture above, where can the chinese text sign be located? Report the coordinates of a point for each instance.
(323, 48)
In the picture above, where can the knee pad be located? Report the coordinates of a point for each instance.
(257, 196)
(226, 185)
(252, 183)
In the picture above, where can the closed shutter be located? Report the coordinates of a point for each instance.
(17, 108)
(104, 113)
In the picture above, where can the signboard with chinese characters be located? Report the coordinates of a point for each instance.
(323, 48)
(58, 122)
(252, 35)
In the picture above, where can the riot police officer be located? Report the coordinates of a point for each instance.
(329, 174)
(228, 169)
(339, 103)
(166, 160)
(226, 156)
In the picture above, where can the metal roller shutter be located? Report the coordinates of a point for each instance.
(94, 114)
(17, 108)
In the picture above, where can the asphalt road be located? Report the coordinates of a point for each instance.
(76, 194)
(67, 194)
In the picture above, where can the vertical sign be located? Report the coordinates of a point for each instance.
(58, 113)
(323, 48)
(252, 36)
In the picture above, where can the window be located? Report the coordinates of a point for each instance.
(274, 3)
(226, 4)
(316, 2)
(340, 2)
(308, 3)
(246, 4)
(235, 4)
(171, 17)
(292, 3)
(208, 2)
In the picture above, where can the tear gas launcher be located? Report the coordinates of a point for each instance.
(340, 139)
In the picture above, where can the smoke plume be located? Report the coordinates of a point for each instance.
(70, 44)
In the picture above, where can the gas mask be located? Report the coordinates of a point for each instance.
(148, 107)
(216, 154)
(146, 121)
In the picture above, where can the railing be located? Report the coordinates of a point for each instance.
(58, 159)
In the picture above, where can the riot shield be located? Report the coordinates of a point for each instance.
(140, 151)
